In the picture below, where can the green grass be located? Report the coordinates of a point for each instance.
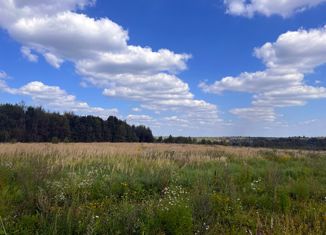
(162, 192)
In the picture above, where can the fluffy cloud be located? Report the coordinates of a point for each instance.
(156, 89)
(27, 53)
(135, 60)
(282, 84)
(11, 10)
(265, 114)
(267, 80)
(175, 120)
(98, 45)
(289, 96)
(101, 54)
(56, 99)
(143, 120)
(301, 51)
(139, 118)
(284, 8)
(69, 35)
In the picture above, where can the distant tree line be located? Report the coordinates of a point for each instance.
(263, 142)
(186, 140)
(314, 143)
(33, 124)
(19, 123)
(176, 140)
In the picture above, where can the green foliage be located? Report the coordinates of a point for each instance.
(284, 201)
(174, 212)
(56, 192)
(55, 140)
(66, 140)
(29, 124)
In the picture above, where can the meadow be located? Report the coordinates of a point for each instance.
(105, 188)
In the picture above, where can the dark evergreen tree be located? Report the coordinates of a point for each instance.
(144, 134)
(29, 124)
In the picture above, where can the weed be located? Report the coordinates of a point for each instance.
(101, 188)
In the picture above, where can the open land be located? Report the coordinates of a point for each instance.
(106, 188)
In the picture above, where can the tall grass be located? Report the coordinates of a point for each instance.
(160, 189)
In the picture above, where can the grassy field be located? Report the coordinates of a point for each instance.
(160, 189)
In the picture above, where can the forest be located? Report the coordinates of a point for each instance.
(20, 123)
(308, 143)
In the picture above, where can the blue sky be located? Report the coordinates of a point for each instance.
(199, 67)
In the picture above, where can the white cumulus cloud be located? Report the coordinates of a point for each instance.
(282, 84)
(56, 99)
(102, 56)
(284, 8)
(27, 53)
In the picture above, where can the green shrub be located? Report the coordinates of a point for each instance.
(176, 218)
(55, 140)
(284, 201)
(299, 190)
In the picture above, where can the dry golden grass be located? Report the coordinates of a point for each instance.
(107, 187)
(125, 148)
(140, 149)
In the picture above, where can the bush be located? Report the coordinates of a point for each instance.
(55, 140)
(284, 201)
(176, 219)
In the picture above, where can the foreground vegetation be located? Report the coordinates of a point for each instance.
(160, 189)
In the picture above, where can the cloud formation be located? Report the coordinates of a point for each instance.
(27, 53)
(56, 99)
(282, 84)
(101, 54)
(284, 8)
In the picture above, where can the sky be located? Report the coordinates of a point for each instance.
(181, 67)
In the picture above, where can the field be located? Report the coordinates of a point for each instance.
(160, 189)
